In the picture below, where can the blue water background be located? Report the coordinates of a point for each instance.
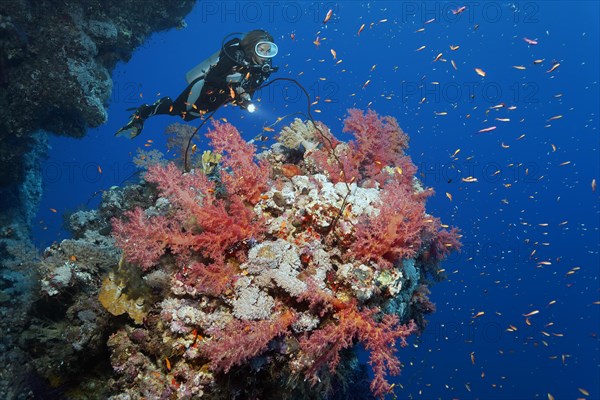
(532, 204)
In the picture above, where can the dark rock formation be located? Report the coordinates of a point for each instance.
(56, 58)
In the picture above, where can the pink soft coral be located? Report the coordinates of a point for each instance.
(243, 176)
(198, 223)
(378, 142)
(143, 240)
(323, 346)
(394, 233)
(239, 340)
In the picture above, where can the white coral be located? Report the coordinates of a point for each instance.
(251, 303)
(276, 262)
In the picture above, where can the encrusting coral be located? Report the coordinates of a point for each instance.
(279, 263)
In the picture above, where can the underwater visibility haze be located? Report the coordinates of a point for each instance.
(409, 209)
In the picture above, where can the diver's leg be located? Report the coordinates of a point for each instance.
(187, 102)
(136, 121)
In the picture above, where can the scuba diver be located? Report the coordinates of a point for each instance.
(231, 75)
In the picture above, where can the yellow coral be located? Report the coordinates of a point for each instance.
(209, 161)
(117, 300)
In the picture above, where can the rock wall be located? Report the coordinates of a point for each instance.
(56, 58)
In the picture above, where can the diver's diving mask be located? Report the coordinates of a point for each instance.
(265, 49)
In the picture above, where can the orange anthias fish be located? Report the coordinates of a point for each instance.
(360, 29)
(530, 41)
(328, 16)
(459, 10)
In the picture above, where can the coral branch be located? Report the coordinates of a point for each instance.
(143, 240)
(323, 347)
(241, 340)
(393, 234)
(244, 177)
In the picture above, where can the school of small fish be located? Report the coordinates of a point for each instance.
(502, 122)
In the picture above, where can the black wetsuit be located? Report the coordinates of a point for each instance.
(217, 87)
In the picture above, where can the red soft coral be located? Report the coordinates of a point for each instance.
(197, 223)
(211, 279)
(239, 340)
(394, 233)
(243, 177)
(376, 138)
(322, 348)
(378, 142)
(142, 239)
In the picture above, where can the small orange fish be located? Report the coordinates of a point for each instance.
(328, 16)
(317, 42)
(459, 10)
(529, 314)
(333, 53)
(553, 67)
(489, 129)
(584, 392)
(53, 210)
(360, 29)
(168, 363)
(366, 83)
(593, 185)
(480, 72)
(437, 57)
(479, 314)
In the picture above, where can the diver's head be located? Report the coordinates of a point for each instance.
(259, 45)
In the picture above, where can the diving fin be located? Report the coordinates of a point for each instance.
(133, 128)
